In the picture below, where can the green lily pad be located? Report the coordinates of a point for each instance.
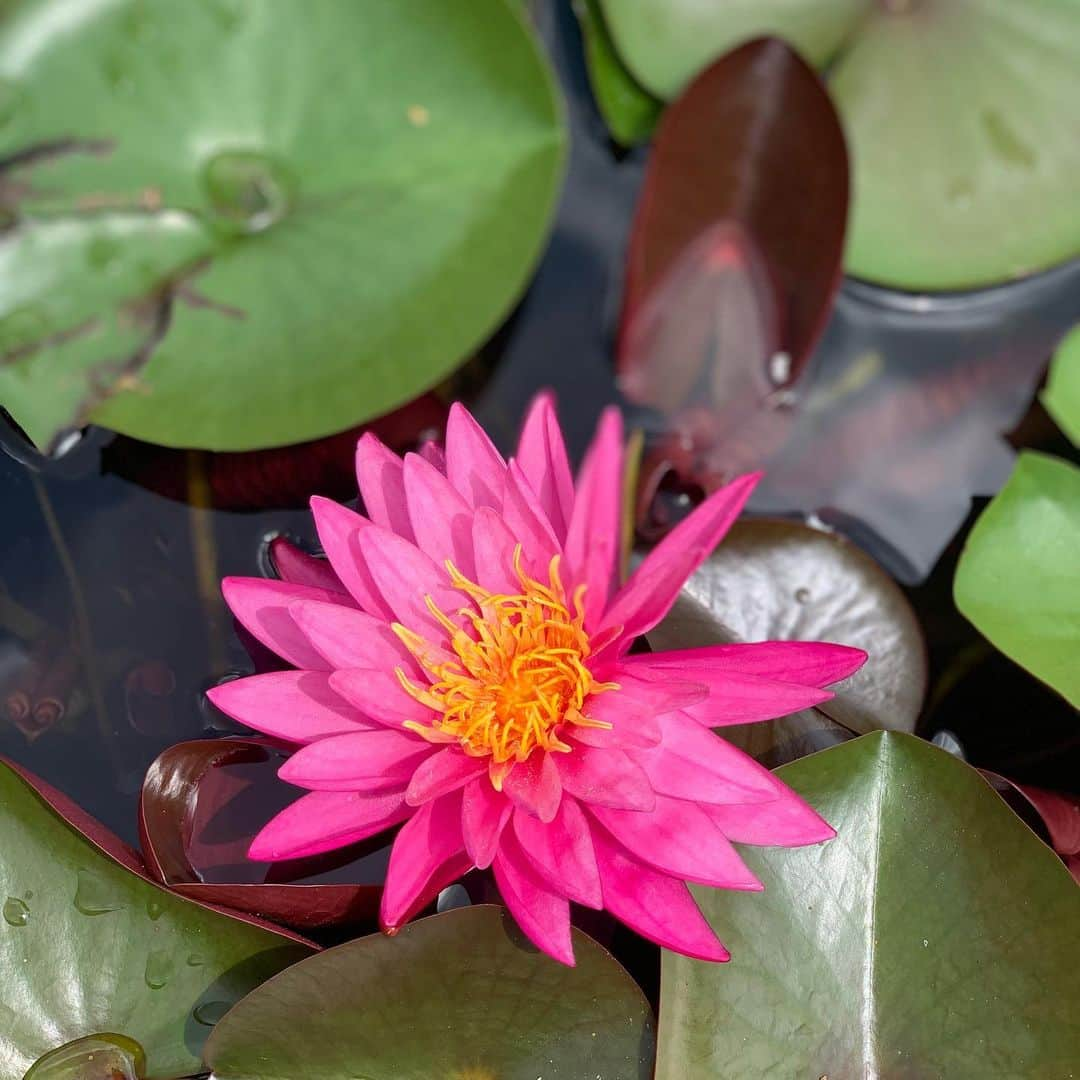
(458, 996)
(1017, 580)
(241, 224)
(628, 109)
(1062, 394)
(935, 936)
(87, 945)
(956, 115)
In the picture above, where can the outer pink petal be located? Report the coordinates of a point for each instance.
(325, 820)
(441, 518)
(607, 777)
(262, 607)
(693, 763)
(745, 699)
(445, 771)
(786, 821)
(562, 852)
(493, 547)
(657, 906)
(542, 913)
(378, 472)
(379, 695)
(298, 706)
(534, 785)
(648, 595)
(339, 530)
(299, 568)
(429, 840)
(366, 760)
(529, 524)
(680, 839)
(405, 577)
(812, 663)
(592, 541)
(348, 638)
(640, 699)
(473, 465)
(484, 814)
(541, 454)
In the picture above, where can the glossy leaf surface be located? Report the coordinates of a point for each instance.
(89, 945)
(933, 937)
(1017, 579)
(205, 253)
(1062, 394)
(461, 995)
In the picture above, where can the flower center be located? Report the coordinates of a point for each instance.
(515, 672)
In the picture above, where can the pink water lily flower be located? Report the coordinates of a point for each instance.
(463, 666)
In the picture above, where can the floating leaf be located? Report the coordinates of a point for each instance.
(1062, 394)
(202, 803)
(89, 945)
(754, 143)
(279, 258)
(783, 581)
(629, 110)
(1017, 579)
(935, 936)
(459, 995)
(955, 114)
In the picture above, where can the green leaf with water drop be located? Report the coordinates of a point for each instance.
(87, 945)
(241, 223)
(961, 119)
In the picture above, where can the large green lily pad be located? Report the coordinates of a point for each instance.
(87, 945)
(1017, 578)
(239, 224)
(458, 996)
(960, 118)
(935, 936)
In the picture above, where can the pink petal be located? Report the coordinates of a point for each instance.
(593, 539)
(693, 763)
(325, 820)
(299, 568)
(606, 777)
(493, 547)
(431, 451)
(539, 911)
(655, 905)
(441, 519)
(812, 663)
(365, 760)
(445, 771)
(348, 638)
(680, 839)
(427, 842)
(405, 577)
(339, 531)
(652, 589)
(473, 465)
(746, 699)
(484, 814)
(262, 607)
(638, 703)
(541, 454)
(378, 472)
(297, 706)
(786, 821)
(529, 524)
(534, 785)
(562, 852)
(380, 696)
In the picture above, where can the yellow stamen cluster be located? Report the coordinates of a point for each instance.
(516, 671)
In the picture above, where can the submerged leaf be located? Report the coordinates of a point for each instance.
(459, 995)
(227, 270)
(933, 937)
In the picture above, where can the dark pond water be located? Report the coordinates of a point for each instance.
(112, 626)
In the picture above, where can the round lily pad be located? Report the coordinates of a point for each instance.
(960, 118)
(239, 224)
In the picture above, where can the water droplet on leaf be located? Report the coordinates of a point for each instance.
(154, 908)
(93, 1057)
(94, 896)
(210, 1013)
(802, 596)
(159, 968)
(248, 191)
(16, 911)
